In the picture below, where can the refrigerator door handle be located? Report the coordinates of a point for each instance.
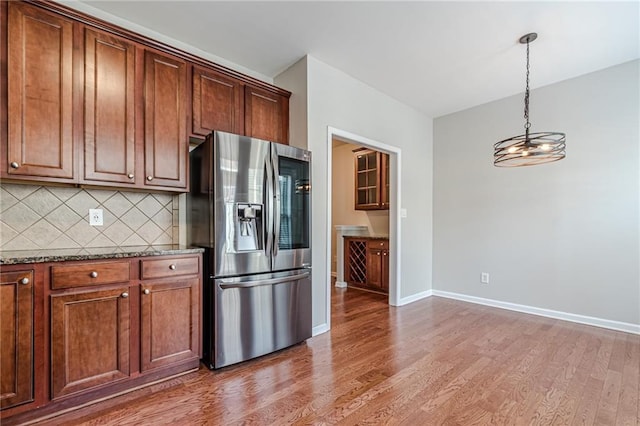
(269, 205)
(276, 210)
(225, 285)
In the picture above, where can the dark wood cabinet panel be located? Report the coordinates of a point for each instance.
(89, 339)
(16, 338)
(266, 115)
(217, 103)
(40, 94)
(165, 136)
(69, 275)
(109, 109)
(169, 322)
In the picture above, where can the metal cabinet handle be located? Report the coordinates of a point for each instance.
(14, 165)
(172, 267)
(93, 274)
(146, 291)
(130, 175)
(384, 254)
(149, 178)
(378, 254)
(24, 281)
(125, 295)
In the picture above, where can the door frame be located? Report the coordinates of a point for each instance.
(395, 168)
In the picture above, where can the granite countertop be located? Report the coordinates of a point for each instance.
(60, 255)
(369, 237)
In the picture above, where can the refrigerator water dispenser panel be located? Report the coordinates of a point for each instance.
(248, 230)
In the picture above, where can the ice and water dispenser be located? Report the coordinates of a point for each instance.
(248, 227)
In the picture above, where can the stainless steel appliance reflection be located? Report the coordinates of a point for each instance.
(249, 207)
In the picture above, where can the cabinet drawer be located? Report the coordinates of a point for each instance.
(378, 244)
(172, 267)
(79, 275)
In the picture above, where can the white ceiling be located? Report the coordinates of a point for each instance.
(439, 57)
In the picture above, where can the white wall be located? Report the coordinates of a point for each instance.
(562, 236)
(337, 100)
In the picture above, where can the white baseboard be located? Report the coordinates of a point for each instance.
(414, 297)
(319, 329)
(581, 319)
(341, 284)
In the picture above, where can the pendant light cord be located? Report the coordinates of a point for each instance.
(526, 98)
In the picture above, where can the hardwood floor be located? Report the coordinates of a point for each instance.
(435, 361)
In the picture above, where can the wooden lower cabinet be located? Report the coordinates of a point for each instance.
(378, 264)
(169, 322)
(367, 263)
(89, 339)
(16, 338)
(101, 328)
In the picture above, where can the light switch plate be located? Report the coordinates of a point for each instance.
(95, 217)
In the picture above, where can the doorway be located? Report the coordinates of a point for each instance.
(375, 222)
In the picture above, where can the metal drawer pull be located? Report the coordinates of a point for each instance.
(224, 285)
(94, 274)
(125, 295)
(149, 178)
(14, 165)
(24, 281)
(146, 291)
(130, 175)
(172, 267)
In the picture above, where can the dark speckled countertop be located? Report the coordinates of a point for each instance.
(60, 255)
(368, 237)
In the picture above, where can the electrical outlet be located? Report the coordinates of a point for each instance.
(484, 278)
(95, 217)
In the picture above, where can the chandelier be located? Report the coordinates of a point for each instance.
(531, 148)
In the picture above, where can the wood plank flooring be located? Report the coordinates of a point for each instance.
(435, 361)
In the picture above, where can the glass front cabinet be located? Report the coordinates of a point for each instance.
(371, 180)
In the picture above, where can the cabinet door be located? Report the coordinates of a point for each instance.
(367, 180)
(217, 103)
(165, 137)
(385, 271)
(89, 339)
(384, 181)
(266, 115)
(374, 268)
(109, 115)
(40, 98)
(16, 342)
(170, 322)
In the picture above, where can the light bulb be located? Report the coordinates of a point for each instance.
(525, 153)
(545, 147)
(512, 149)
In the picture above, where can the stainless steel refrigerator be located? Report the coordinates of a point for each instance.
(250, 208)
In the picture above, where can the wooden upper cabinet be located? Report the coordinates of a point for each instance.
(371, 180)
(165, 117)
(266, 115)
(16, 339)
(40, 94)
(217, 103)
(109, 109)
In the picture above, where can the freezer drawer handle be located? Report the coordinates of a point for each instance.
(225, 285)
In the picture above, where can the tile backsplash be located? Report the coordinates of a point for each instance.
(36, 217)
